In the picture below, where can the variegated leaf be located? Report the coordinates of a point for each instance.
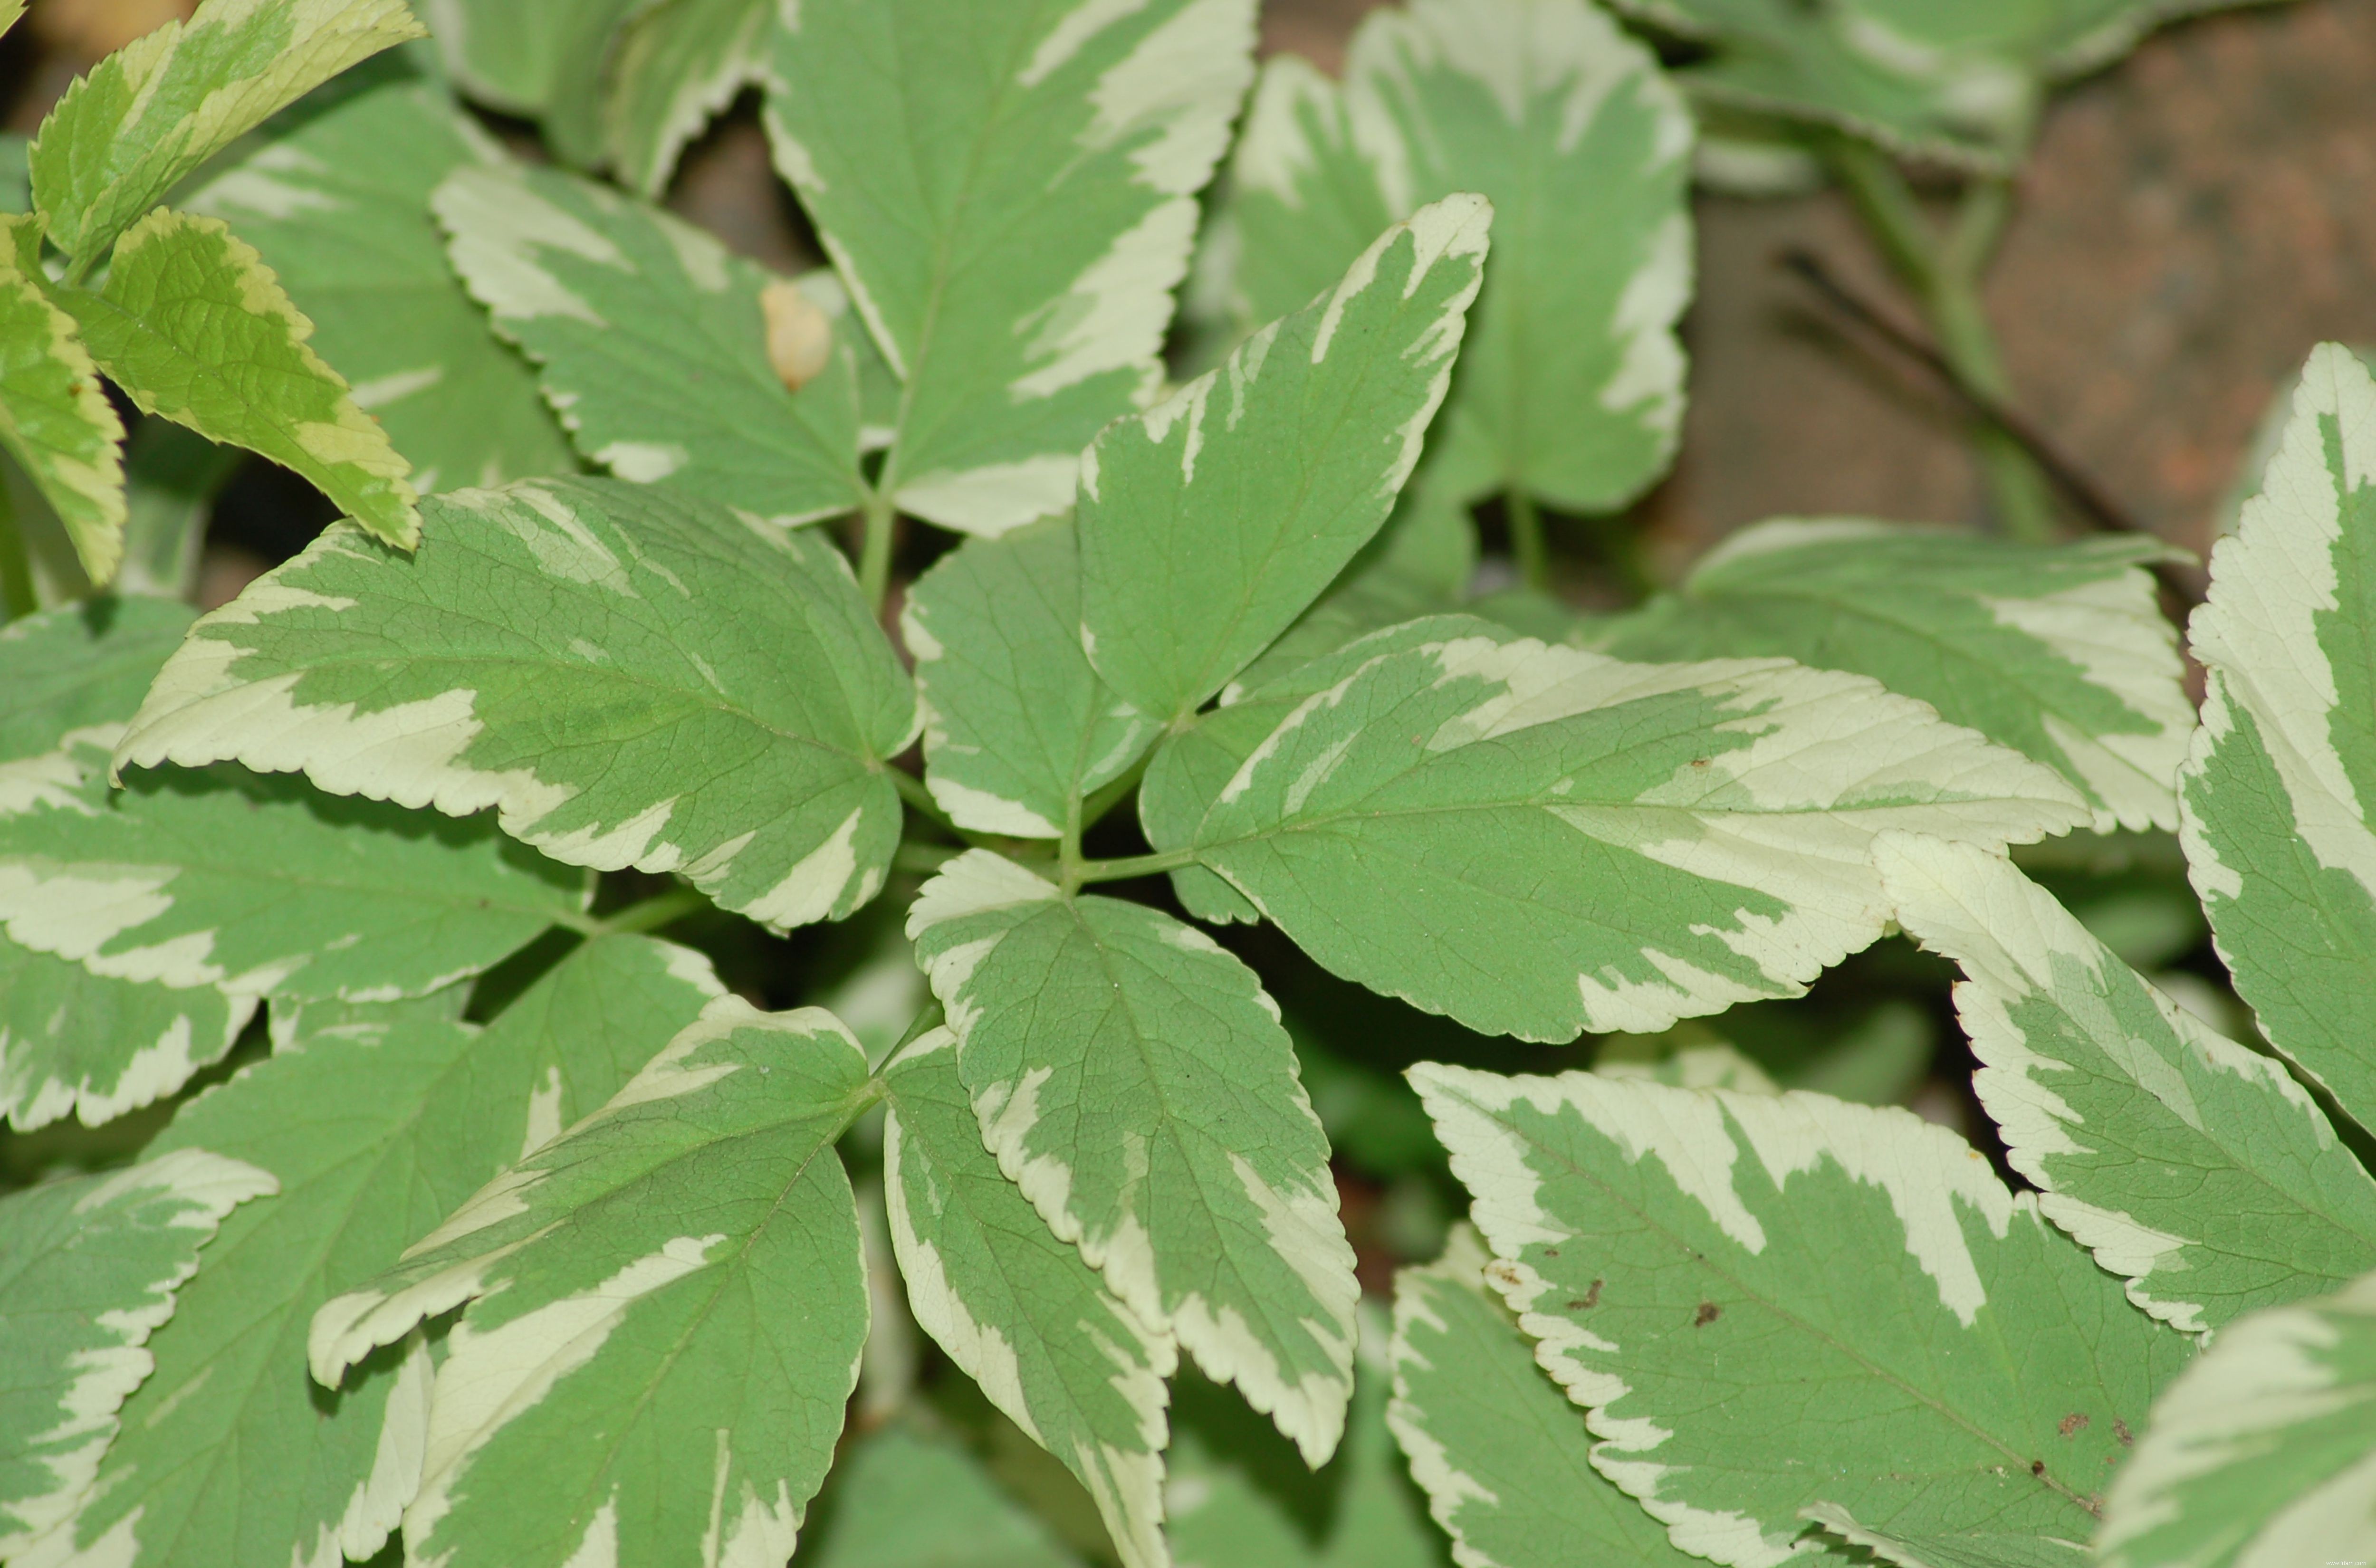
(56, 419)
(337, 203)
(91, 1267)
(674, 65)
(193, 326)
(152, 112)
(679, 1271)
(2059, 651)
(629, 676)
(257, 885)
(1503, 1456)
(1539, 840)
(2197, 1169)
(1019, 727)
(2264, 1451)
(1209, 524)
(375, 1123)
(1017, 1309)
(653, 340)
(2276, 793)
(73, 1043)
(1959, 1396)
(1584, 147)
(1009, 193)
(1134, 1079)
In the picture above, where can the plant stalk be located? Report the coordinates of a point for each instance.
(1128, 866)
(649, 914)
(1945, 278)
(880, 518)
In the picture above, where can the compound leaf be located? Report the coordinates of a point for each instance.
(630, 676)
(2059, 651)
(1209, 524)
(375, 1123)
(2276, 798)
(195, 326)
(56, 419)
(336, 202)
(676, 1276)
(2264, 1450)
(1503, 1457)
(92, 1265)
(1017, 1309)
(1959, 1396)
(654, 343)
(1018, 725)
(673, 67)
(2193, 1167)
(1538, 840)
(1009, 193)
(257, 886)
(127, 132)
(1584, 147)
(1134, 1079)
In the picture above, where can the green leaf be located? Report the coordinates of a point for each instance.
(2059, 651)
(686, 1254)
(1017, 1309)
(1207, 526)
(1133, 1079)
(1240, 1499)
(1958, 1395)
(149, 114)
(337, 203)
(81, 665)
(376, 1125)
(1583, 147)
(2262, 1451)
(2197, 1169)
(195, 326)
(1009, 193)
(1539, 840)
(904, 1501)
(73, 1042)
(93, 1263)
(654, 343)
(541, 653)
(674, 67)
(56, 419)
(2277, 792)
(257, 886)
(1018, 725)
(1503, 1457)
(525, 55)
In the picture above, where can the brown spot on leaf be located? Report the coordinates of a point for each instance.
(2073, 1422)
(1699, 762)
(1709, 1311)
(2037, 1466)
(2121, 1430)
(1502, 1273)
(1592, 1297)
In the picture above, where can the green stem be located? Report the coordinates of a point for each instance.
(875, 553)
(913, 791)
(1128, 866)
(923, 859)
(1946, 278)
(1526, 540)
(17, 594)
(651, 914)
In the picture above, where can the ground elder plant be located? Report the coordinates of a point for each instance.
(786, 940)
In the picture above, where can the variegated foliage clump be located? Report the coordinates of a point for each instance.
(460, 1222)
